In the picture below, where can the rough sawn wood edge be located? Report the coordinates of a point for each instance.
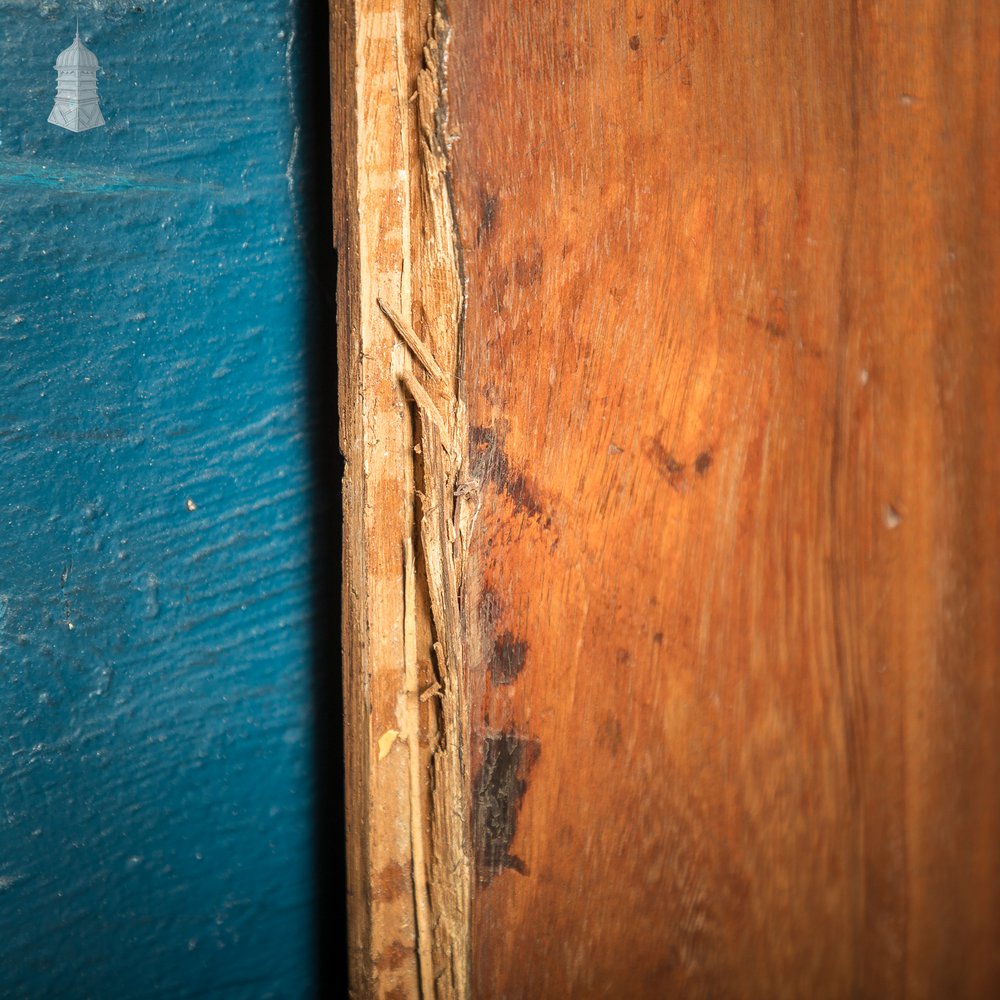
(408, 506)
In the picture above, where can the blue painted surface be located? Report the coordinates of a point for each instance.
(155, 780)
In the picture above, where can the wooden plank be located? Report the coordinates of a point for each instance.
(731, 356)
(714, 402)
(406, 510)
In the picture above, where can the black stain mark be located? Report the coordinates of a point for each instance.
(507, 660)
(488, 210)
(488, 462)
(703, 463)
(498, 790)
(671, 469)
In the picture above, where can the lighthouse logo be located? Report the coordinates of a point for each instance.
(76, 107)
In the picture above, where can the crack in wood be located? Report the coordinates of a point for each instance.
(442, 434)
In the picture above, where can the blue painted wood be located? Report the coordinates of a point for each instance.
(155, 779)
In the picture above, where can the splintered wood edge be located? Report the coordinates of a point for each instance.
(407, 508)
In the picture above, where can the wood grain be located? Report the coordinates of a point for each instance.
(725, 534)
(733, 371)
(406, 504)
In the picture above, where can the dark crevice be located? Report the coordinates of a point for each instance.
(315, 205)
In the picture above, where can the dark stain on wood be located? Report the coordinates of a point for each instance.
(609, 735)
(392, 882)
(489, 463)
(669, 466)
(508, 658)
(488, 209)
(490, 609)
(394, 956)
(777, 318)
(528, 266)
(498, 790)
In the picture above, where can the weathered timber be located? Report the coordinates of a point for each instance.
(718, 405)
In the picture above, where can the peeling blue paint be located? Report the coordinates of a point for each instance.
(155, 784)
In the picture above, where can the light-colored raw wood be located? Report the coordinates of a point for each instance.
(404, 438)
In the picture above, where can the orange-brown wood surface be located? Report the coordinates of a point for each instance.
(732, 369)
